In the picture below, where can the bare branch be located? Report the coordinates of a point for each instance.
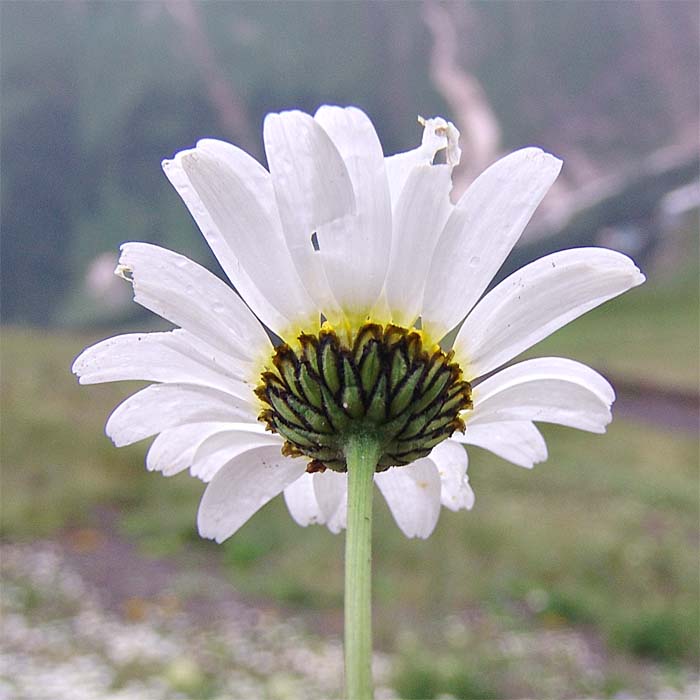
(481, 133)
(229, 108)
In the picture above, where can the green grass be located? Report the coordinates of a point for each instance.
(602, 537)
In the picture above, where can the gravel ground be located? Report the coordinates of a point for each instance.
(60, 641)
(93, 620)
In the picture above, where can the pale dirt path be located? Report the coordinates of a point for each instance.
(90, 618)
(665, 408)
(109, 624)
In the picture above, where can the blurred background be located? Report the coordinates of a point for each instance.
(577, 580)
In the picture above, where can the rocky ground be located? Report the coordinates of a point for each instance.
(63, 639)
(89, 618)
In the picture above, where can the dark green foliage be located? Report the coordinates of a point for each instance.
(662, 634)
(421, 678)
(95, 94)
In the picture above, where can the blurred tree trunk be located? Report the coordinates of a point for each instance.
(480, 131)
(230, 109)
(662, 24)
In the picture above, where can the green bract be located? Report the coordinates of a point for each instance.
(386, 384)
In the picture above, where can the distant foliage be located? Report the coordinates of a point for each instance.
(94, 95)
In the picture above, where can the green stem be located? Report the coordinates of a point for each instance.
(361, 455)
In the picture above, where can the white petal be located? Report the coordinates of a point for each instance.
(537, 300)
(413, 495)
(219, 448)
(419, 217)
(549, 389)
(301, 501)
(450, 459)
(224, 248)
(161, 357)
(162, 406)
(253, 175)
(242, 487)
(438, 135)
(243, 209)
(519, 442)
(173, 449)
(331, 494)
(355, 248)
(338, 521)
(312, 188)
(481, 231)
(189, 296)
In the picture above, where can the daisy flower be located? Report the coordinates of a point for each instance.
(372, 282)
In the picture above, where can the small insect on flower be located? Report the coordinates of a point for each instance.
(363, 267)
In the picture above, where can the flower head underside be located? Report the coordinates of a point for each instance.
(385, 384)
(365, 269)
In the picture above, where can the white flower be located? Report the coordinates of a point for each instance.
(337, 232)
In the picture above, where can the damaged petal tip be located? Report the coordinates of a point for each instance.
(454, 152)
(440, 134)
(125, 272)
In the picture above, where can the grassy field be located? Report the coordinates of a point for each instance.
(601, 539)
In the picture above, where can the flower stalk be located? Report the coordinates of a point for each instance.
(362, 453)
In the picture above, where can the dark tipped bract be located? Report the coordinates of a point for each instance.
(384, 383)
